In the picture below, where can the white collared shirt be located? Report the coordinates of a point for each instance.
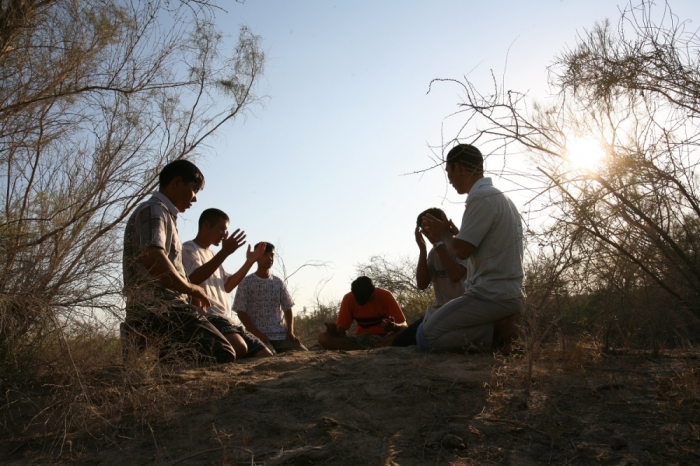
(492, 224)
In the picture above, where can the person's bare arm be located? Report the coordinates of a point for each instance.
(454, 269)
(422, 274)
(158, 265)
(248, 323)
(289, 320)
(389, 324)
(250, 258)
(228, 247)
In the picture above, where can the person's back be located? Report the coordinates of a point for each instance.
(491, 221)
(369, 316)
(374, 309)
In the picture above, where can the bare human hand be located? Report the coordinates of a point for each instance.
(453, 228)
(199, 297)
(433, 227)
(389, 324)
(432, 236)
(233, 242)
(292, 337)
(419, 239)
(332, 329)
(257, 253)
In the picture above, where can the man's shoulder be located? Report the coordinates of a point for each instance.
(192, 246)
(275, 279)
(248, 279)
(484, 190)
(253, 279)
(155, 206)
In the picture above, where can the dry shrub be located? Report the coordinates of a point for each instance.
(81, 390)
(310, 322)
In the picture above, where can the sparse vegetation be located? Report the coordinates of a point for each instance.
(607, 371)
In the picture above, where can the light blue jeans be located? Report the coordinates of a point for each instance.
(465, 322)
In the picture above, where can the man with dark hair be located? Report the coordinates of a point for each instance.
(264, 305)
(491, 238)
(374, 309)
(160, 303)
(438, 267)
(183, 169)
(206, 268)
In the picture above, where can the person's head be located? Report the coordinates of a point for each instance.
(362, 289)
(180, 181)
(267, 260)
(213, 226)
(434, 211)
(464, 166)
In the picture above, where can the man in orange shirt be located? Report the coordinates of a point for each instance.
(374, 309)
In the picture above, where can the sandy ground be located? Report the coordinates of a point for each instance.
(399, 406)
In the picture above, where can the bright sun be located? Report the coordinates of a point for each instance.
(584, 153)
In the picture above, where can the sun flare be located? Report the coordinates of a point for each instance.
(584, 153)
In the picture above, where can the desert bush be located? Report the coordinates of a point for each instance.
(617, 251)
(310, 322)
(95, 97)
(399, 277)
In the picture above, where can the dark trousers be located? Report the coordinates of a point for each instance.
(180, 332)
(407, 336)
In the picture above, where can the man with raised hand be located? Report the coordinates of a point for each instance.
(161, 304)
(438, 267)
(491, 238)
(205, 268)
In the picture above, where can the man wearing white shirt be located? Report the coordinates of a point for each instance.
(491, 238)
(204, 267)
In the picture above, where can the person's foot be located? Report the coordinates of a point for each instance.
(505, 332)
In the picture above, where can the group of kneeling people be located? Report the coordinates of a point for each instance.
(177, 293)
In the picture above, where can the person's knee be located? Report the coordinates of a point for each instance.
(237, 343)
(264, 352)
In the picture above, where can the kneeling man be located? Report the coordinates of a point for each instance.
(491, 238)
(204, 267)
(374, 309)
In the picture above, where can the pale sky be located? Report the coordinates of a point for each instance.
(319, 169)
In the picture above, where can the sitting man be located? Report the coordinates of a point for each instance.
(491, 237)
(160, 303)
(374, 309)
(265, 306)
(205, 268)
(439, 267)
